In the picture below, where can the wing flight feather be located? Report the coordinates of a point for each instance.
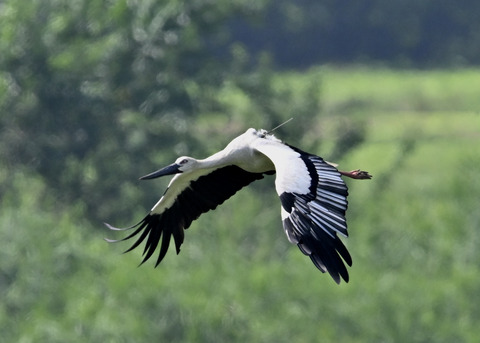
(188, 201)
(313, 207)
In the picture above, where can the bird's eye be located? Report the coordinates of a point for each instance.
(184, 161)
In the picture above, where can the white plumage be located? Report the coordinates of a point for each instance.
(312, 194)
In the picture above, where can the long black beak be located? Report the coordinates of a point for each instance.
(168, 170)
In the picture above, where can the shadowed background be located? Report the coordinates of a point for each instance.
(95, 94)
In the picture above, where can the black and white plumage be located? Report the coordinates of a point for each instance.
(312, 193)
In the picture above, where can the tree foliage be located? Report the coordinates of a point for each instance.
(94, 94)
(85, 80)
(400, 33)
(90, 89)
(413, 240)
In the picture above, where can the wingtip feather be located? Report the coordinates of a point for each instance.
(113, 228)
(111, 240)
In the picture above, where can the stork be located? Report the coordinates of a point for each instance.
(312, 194)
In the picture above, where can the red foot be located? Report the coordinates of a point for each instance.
(357, 174)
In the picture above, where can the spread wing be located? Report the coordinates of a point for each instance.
(187, 197)
(314, 202)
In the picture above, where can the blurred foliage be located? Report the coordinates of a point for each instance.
(400, 33)
(413, 237)
(94, 94)
(91, 89)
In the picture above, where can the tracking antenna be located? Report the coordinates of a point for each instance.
(269, 132)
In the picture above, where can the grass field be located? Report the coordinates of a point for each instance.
(414, 237)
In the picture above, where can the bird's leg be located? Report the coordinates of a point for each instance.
(357, 174)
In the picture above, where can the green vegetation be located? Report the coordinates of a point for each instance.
(95, 94)
(414, 232)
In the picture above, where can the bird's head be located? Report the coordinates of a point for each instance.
(182, 164)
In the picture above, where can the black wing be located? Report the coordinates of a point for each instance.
(201, 195)
(315, 218)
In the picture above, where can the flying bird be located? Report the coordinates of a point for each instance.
(312, 194)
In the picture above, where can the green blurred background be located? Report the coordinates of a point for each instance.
(94, 94)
